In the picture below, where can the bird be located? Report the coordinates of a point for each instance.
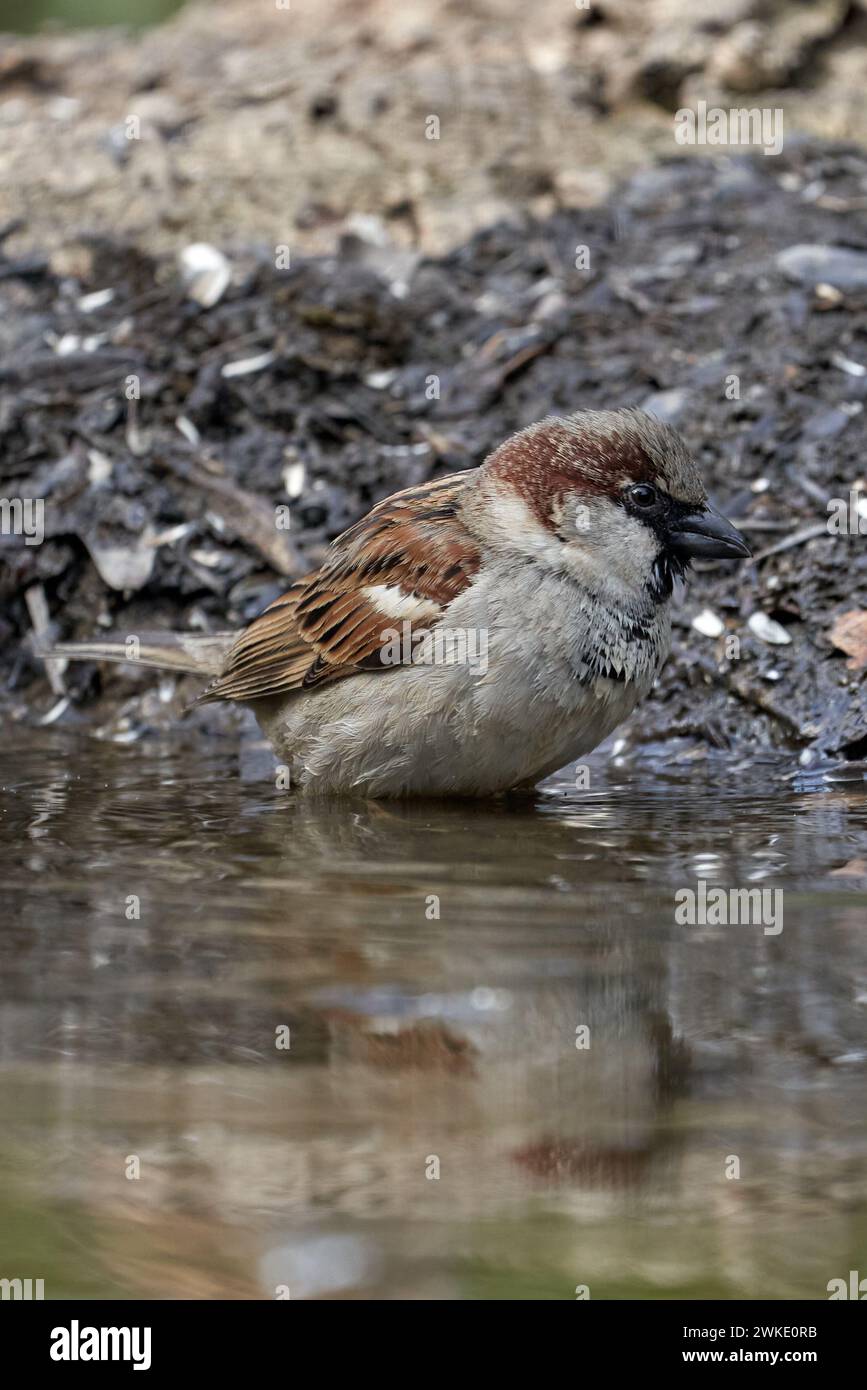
(474, 634)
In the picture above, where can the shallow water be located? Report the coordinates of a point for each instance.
(431, 1130)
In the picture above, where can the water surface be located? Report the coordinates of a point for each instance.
(431, 1130)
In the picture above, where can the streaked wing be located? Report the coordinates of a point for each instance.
(403, 562)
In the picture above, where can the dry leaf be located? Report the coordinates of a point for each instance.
(849, 635)
(856, 868)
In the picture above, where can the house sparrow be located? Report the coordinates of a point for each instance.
(477, 633)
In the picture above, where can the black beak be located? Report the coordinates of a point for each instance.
(707, 534)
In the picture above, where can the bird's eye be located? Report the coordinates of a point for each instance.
(643, 495)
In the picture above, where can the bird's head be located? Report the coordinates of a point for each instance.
(613, 498)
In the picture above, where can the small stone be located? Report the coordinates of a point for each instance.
(826, 424)
(294, 478)
(206, 273)
(99, 467)
(244, 366)
(88, 303)
(847, 365)
(827, 296)
(767, 630)
(188, 430)
(827, 265)
(667, 406)
(708, 623)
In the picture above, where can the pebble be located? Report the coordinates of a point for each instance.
(668, 406)
(206, 272)
(767, 630)
(827, 265)
(708, 623)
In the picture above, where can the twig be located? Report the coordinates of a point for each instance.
(809, 533)
(812, 489)
(37, 607)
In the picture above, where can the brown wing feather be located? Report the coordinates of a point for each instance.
(328, 625)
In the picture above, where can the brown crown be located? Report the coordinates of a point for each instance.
(594, 453)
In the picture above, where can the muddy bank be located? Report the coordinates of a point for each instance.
(234, 121)
(163, 413)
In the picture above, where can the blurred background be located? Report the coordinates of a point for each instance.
(34, 15)
(258, 120)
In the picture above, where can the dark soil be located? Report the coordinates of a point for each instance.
(683, 291)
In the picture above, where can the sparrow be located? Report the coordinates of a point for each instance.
(474, 634)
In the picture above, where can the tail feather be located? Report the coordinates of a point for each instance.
(169, 651)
